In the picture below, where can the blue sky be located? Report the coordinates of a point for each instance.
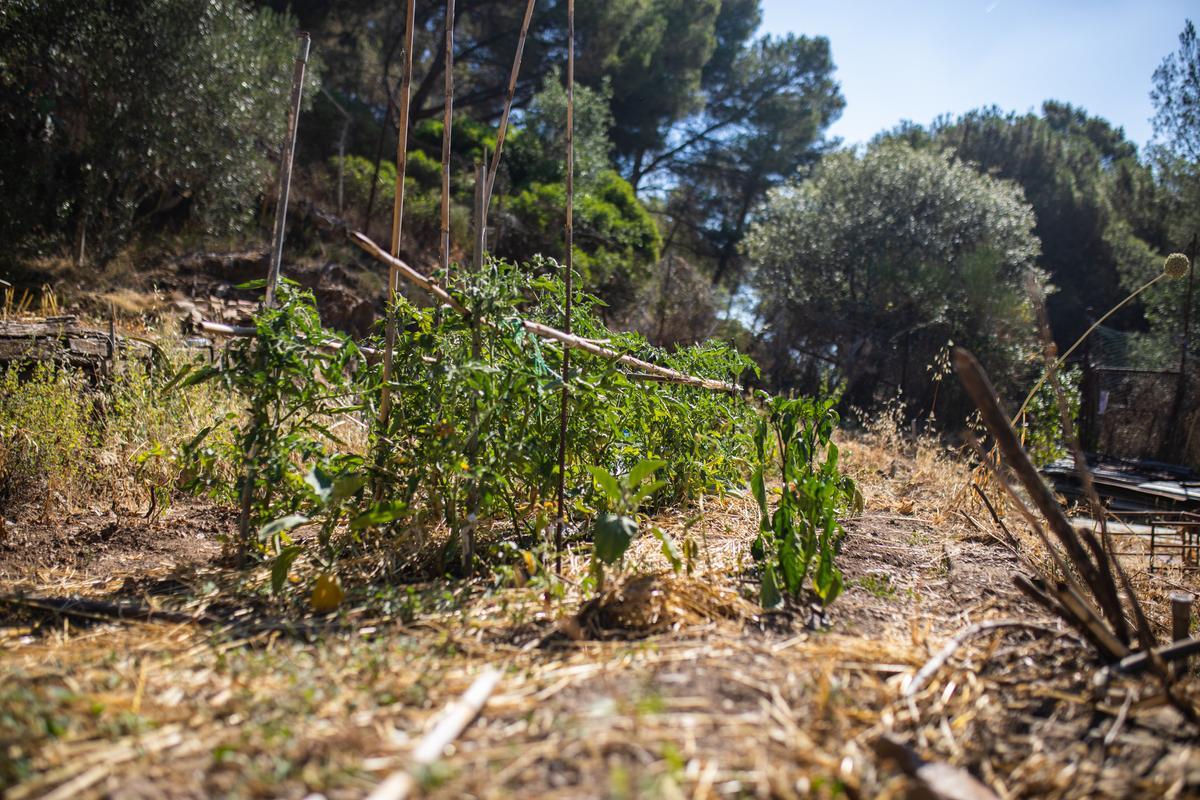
(915, 60)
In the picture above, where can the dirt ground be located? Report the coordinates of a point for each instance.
(673, 687)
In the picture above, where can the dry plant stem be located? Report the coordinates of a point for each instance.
(508, 103)
(285, 167)
(1106, 562)
(546, 332)
(976, 382)
(1100, 554)
(942, 656)
(567, 270)
(447, 126)
(1066, 598)
(1011, 540)
(393, 284)
(1063, 358)
(450, 725)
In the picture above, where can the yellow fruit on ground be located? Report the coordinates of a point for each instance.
(327, 594)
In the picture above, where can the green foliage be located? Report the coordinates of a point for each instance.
(45, 433)
(615, 529)
(119, 114)
(281, 457)
(473, 431)
(536, 151)
(802, 533)
(617, 242)
(1041, 431)
(1087, 188)
(877, 260)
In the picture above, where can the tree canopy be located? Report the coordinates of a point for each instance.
(876, 262)
(104, 131)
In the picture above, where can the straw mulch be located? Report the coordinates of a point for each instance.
(664, 686)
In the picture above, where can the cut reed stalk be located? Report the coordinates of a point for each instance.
(508, 103)
(447, 126)
(393, 284)
(285, 166)
(567, 270)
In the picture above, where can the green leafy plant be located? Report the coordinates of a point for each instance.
(281, 460)
(803, 534)
(615, 528)
(45, 433)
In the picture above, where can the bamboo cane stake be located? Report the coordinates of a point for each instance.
(285, 166)
(393, 284)
(447, 126)
(567, 269)
(467, 544)
(508, 102)
(658, 372)
(249, 478)
(450, 725)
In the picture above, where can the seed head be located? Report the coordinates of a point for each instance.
(1176, 265)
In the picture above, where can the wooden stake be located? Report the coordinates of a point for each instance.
(1181, 615)
(508, 102)
(447, 126)
(567, 269)
(285, 167)
(468, 531)
(450, 725)
(393, 283)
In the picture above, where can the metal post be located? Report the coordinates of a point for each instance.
(285, 166)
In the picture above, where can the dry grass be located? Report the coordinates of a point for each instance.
(664, 686)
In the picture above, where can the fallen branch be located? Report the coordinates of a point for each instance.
(942, 656)
(545, 331)
(450, 725)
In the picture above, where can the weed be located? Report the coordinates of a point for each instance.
(804, 527)
(45, 433)
(877, 585)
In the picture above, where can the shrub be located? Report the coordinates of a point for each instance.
(46, 434)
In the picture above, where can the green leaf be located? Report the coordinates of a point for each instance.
(320, 482)
(646, 491)
(380, 514)
(642, 470)
(347, 485)
(607, 483)
(669, 550)
(769, 595)
(758, 486)
(793, 565)
(612, 535)
(283, 563)
(280, 525)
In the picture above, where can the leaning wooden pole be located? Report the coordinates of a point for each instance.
(447, 126)
(286, 152)
(646, 369)
(567, 270)
(508, 103)
(393, 284)
(250, 476)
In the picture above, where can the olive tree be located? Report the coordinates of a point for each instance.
(115, 115)
(874, 263)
